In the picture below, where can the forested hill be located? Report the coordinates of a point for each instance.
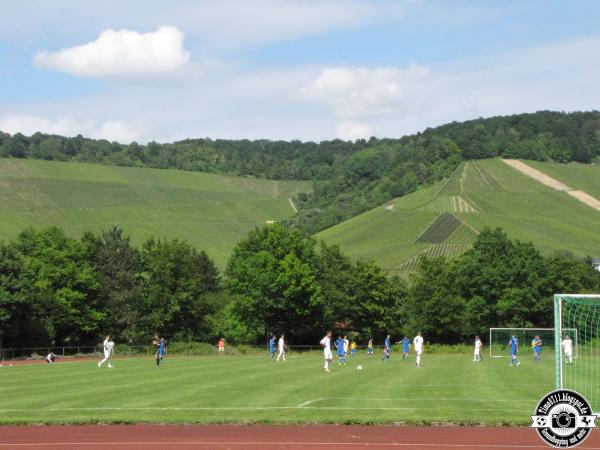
(348, 177)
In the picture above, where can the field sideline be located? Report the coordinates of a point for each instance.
(238, 389)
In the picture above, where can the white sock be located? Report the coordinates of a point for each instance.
(102, 362)
(419, 360)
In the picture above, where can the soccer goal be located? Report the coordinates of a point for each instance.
(582, 313)
(499, 338)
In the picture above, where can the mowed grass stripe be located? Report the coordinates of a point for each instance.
(253, 389)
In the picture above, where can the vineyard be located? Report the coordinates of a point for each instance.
(446, 250)
(468, 178)
(447, 227)
(444, 219)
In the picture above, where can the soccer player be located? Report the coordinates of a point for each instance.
(405, 347)
(477, 352)
(326, 344)
(513, 343)
(282, 347)
(387, 349)
(271, 347)
(567, 345)
(221, 346)
(418, 344)
(51, 358)
(536, 345)
(370, 347)
(111, 352)
(160, 353)
(341, 353)
(346, 347)
(353, 348)
(107, 347)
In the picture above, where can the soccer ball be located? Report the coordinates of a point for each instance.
(358, 367)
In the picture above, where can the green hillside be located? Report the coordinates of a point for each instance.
(583, 177)
(211, 211)
(444, 219)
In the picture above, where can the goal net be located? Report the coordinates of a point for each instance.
(582, 313)
(499, 338)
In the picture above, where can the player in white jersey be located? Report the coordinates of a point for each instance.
(567, 345)
(107, 347)
(477, 352)
(418, 344)
(282, 347)
(326, 344)
(346, 346)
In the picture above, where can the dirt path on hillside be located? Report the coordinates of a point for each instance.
(582, 196)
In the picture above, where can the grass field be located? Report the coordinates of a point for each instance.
(479, 194)
(213, 212)
(251, 389)
(583, 177)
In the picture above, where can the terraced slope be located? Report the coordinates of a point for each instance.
(497, 195)
(211, 211)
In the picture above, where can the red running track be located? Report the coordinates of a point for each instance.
(263, 437)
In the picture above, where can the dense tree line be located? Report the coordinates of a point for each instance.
(348, 177)
(55, 290)
(498, 283)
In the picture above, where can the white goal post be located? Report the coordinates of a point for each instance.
(499, 337)
(582, 312)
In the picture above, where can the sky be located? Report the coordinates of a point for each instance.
(285, 69)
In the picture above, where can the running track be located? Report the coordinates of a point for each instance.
(234, 437)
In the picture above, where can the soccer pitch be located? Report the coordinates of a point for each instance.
(251, 389)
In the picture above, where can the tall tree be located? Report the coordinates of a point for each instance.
(117, 266)
(178, 283)
(60, 281)
(272, 274)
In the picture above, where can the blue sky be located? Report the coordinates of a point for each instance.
(312, 69)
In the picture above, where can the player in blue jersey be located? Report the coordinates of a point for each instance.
(271, 347)
(387, 349)
(340, 345)
(405, 347)
(536, 345)
(513, 344)
(161, 350)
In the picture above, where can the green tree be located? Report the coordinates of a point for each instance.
(60, 281)
(15, 310)
(178, 284)
(117, 267)
(272, 275)
(432, 307)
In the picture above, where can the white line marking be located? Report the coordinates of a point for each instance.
(484, 400)
(238, 408)
(302, 405)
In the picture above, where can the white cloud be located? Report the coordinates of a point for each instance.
(28, 124)
(122, 53)
(355, 94)
(352, 130)
(362, 92)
